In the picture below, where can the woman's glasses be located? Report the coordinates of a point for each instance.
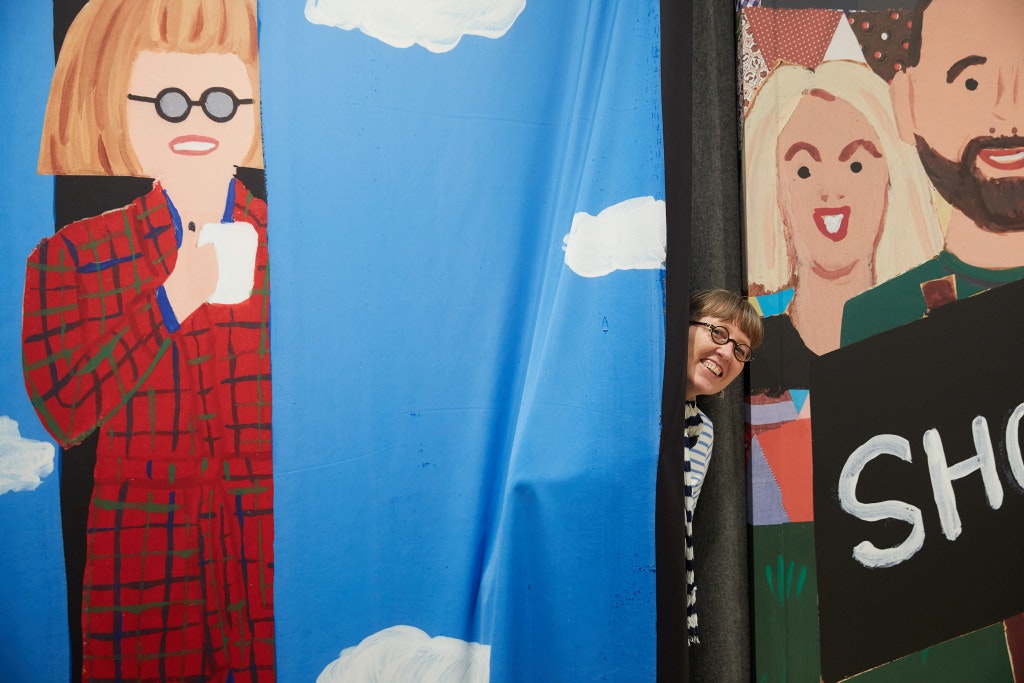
(172, 104)
(720, 336)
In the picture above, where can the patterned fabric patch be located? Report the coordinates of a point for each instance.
(885, 39)
(793, 36)
(753, 67)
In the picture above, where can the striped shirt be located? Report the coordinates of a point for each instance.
(698, 436)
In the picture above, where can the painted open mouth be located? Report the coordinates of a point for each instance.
(833, 223)
(193, 145)
(1006, 159)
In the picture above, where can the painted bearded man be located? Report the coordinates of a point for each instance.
(960, 102)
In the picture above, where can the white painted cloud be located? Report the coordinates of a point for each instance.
(437, 25)
(23, 462)
(629, 235)
(405, 654)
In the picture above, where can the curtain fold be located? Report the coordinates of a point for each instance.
(673, 661)
(720, 524)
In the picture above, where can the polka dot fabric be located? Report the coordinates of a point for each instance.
(885, 39)
(793, 35)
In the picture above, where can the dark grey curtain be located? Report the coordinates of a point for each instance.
(705, 249)
(720, 523)
(673, 661)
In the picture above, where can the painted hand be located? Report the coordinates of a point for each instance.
(194, 277)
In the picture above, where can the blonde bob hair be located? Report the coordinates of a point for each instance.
(910, 230)
(85, 131)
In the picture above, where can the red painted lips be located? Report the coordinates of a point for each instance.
(833, 222)
(193, 145)
(1006, 159)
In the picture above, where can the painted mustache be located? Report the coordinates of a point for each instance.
(1003, 152)
(995, 204)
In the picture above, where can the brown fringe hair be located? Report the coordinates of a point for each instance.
(728, 307)
(85, 131)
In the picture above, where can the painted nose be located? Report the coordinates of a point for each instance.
(830, 187)
(1009, 104)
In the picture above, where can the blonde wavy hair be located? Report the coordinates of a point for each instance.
(910, 229)
(84, 131)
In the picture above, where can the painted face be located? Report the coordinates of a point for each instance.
(969, 82)
(966, 107)
(190, 115)
(711, 367)
(833, 183)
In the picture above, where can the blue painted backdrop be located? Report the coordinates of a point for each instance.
(465, 429)
(33, 609)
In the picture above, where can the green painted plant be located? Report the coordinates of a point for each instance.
(785, 604)
(781, 583)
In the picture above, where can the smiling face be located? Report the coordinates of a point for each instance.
(963, 106)
(833, 183)
(197, 146)
(711, 367)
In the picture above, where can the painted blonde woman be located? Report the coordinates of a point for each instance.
(149, 326)
(835, 203)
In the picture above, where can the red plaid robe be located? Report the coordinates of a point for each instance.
(179, 573)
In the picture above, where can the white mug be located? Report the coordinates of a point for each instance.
(235, 244)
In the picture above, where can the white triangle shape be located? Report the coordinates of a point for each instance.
(844, 44)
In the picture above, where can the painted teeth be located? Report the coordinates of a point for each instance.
(712, 367)
(833, 222)
(194, 146)
(1009, 158)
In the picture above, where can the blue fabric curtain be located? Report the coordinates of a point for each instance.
(33, 623)
(466, 429)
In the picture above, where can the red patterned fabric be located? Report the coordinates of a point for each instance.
(796, 36)
(884, 38)
(179, 573)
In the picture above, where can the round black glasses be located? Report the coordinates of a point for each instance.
(174, 105)
(720, 336)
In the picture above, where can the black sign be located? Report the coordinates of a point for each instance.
(919, 482)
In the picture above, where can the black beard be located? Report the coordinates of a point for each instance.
(994, 204)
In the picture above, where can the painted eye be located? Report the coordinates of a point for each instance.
(803, 172)
(971, 84)
(856, 167)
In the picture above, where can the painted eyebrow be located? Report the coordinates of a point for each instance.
(853, 146)
(805, 146)
(959, 66)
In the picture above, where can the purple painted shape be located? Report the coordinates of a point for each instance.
(765, 502)
(771, 413)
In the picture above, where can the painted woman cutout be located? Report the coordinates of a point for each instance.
(149, 325)
(835, 201)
